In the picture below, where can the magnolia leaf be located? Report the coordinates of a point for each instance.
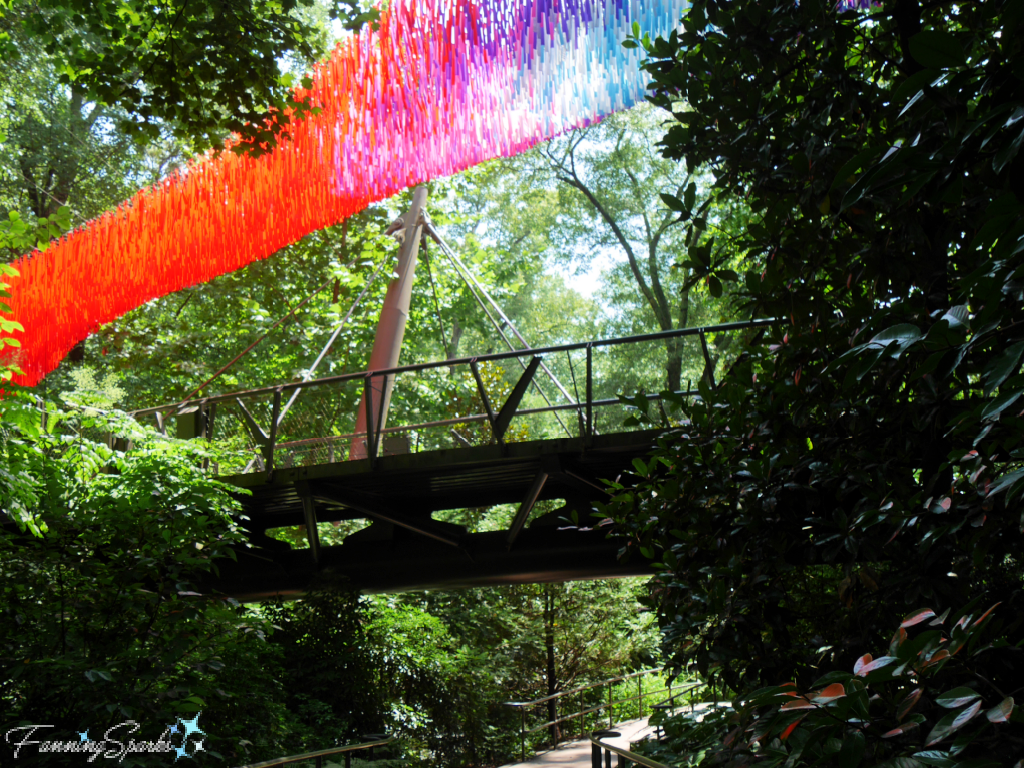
(917, 617)
(985, 614)
(853, 750)
(900, 730)
(1002, 367)
(1001, 712)
(936, 758)
(1005, 482)
(937, 49)
(801, 702)
(1001, 403)
(861, 663)
(951, 723)
(882, 661)
(831, 693)
(958, 316)
(908, 703)
(903, 335)
(956, 698)
(789, 729)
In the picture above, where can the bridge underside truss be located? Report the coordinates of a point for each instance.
(405, 548)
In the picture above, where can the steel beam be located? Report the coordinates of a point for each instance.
(374, 509)
(508, 410)
(525, 508)
(309, 517)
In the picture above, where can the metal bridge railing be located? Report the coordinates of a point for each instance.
(601, 748)
(318, 756)
(607, 704)
(307, 423)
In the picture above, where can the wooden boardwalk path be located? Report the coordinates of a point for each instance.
(577, 754)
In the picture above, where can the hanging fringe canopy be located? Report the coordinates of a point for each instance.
(440, 86)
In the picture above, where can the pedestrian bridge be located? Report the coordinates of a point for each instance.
(508, 438)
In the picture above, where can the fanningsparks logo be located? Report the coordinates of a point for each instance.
(180, 737)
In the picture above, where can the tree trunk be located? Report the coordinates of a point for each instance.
(674, 363)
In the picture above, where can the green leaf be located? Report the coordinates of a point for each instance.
(673, 203)
(914, 85)
(854, 164)
(902, 335)
(1002, 367)
(937, 49)
(1000, 404)
(1006, 481)
(853, 750)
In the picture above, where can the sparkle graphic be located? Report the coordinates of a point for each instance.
(84, 736)
(187, 728)
(191, 726)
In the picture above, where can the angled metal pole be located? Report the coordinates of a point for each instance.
(387, 344)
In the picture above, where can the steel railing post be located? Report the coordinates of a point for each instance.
(275, 415)
(583, 716)
(640, 694)
(590, 391)
(522, 735)
(367, 389)
(379, 426)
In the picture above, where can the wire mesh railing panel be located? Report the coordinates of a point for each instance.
(239, 449)
(316, 424)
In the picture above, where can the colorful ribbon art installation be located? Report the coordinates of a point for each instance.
(440, 86)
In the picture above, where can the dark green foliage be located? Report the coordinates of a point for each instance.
(864, 457)
(924, 702)
(101, 619)
(330, 676)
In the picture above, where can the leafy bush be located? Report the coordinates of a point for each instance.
(101, 616)
(937, 697)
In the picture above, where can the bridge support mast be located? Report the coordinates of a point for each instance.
(387, 344)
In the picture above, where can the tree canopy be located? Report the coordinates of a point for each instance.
(201, 70)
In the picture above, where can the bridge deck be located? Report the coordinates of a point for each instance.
(406, 548)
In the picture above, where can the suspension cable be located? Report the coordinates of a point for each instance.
(330, 342)
(470, 283)
(437, 304)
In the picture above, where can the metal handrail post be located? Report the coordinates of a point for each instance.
(522, 735)
(583, 716)
(367, 388)
(590, 391)
(275, 415)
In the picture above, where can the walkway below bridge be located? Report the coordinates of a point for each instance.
(578, 754)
